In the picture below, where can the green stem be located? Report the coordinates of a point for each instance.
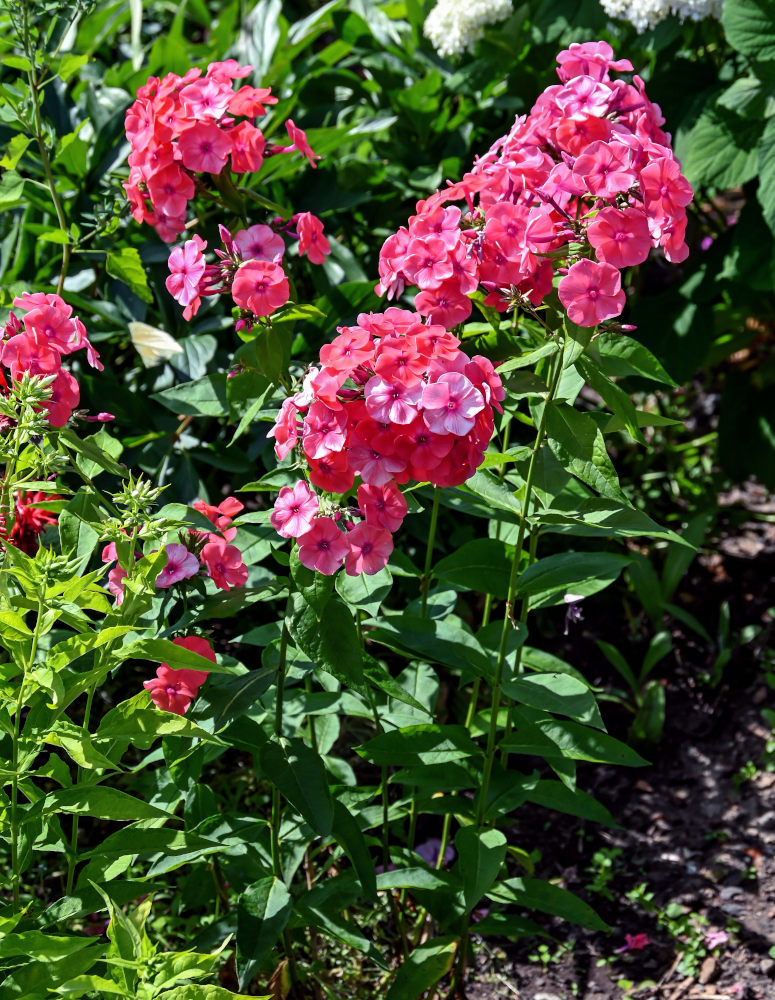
(15, 873)
(278, 728)
(461, 959)
(44, 159)
(426, 576)
(72, 861)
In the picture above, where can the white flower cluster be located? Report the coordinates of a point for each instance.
(644, 14)
(455, 26)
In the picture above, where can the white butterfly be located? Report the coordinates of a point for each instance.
(152, 344)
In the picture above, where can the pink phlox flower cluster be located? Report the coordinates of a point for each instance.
(210, 553)
(584, 186)
(249, 266)
(393, 400)
(173, 690)
(181, 126)
(38, 341)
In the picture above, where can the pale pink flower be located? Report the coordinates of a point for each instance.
(187, 267)
(450, 404)
(259, 243)
(392, 402)
(294, 510)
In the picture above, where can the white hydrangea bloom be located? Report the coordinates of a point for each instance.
(455, 26)
(645, 14)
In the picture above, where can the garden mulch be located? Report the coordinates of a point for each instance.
(695, 829)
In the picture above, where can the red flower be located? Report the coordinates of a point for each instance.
(29, 521)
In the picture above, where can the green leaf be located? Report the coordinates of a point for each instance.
(750, 27)
(125, 264)
(481, 854)
(95, 800)
(766, 190)
(538, 733)
(15, 151)
(616, 399)
(576, 441)
(166, 651)
(483, 565)
(722, 149)
(329, 637)
(622, 356)
(557, 796)
(348, 835)
(557, 693)
(263, 910)
(37, 946)
(299, 773)
(362, 591)
(423, 968)
(92, 451)
(11, 189)
(424, 744)
(548, 580)
(444, 642)
(203, 397)
(535, 894)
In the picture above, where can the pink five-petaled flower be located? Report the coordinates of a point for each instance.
(181, 565)
(392, 402)
(634, 942)
(204, 148)
(384, 506)
(294, 510)
(312, 241)
(260, 286)
(450, 404)
(224, 563)
(714, 939)
(259, 243)
(187, 267)
(591, 292)
(621, 238)
(172, 690)
(222, 515)
(323, 547)
(370, 549)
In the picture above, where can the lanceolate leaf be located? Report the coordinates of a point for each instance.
(578, 444)
(298, 771)
(263, 910)
(481, 854)
(424, 967)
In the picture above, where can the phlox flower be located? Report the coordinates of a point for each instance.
(170, 189)
(373, 465)
(666, 191)
(247, 148)
(259, 243)
(605, 169)
(312, 240)
(187, 267)
(224, 563)
(325, 431)
(450, 404)
(299, 142)
(181, 565)
(260, 286)
(398, 359)
(222, 515)
(294, 510)
(634, 942)
(28, 521)
(332, 473)
(370, 549)
(169, 691)
(286, 428)
(352, 347)
(251, 101)
(444, 304)
(172, 690)
(392, 402)
(204, 148)
(428, 262)
(65, 396)
(591, 292)
(383, 506)
(323, 547)
(620, 237)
